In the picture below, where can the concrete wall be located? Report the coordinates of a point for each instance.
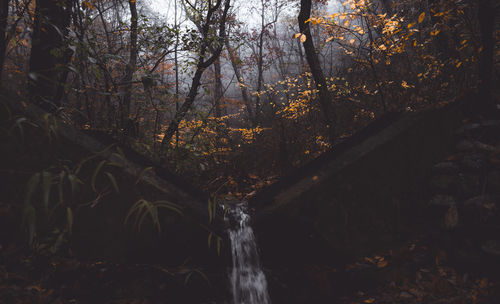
(353, 201)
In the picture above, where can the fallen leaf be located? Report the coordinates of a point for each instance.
(382, 264)
(421, 17)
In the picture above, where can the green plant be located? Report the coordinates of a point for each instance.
(200, 273)
(53, 195)
(142, 208)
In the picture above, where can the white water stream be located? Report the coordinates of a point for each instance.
(248, 281)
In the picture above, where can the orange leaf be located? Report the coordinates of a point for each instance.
(86, 4)
(382, 264)
(421, 17)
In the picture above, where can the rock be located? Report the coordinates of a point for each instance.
(493, 182)
(444, 209)
(478, 201)
(447, 167)
(473, 162)
(465, 145)
(495, 161)
(405, 295)
(480, 209)
(488, 126)
(444, 183)
(470, 185)
(468, 127)
(491, 247)
(443, 200)
(451, 217)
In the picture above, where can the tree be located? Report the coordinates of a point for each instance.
(4, 15)
(239, 77)
(486, 15)
(48, 57)
(325, 98)
(202, 63)
(130, 68)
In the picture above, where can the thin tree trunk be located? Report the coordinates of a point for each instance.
(131, 66)
(218, 89)
(52, 19)
(4, 15)
(201, 66)
(241, 83)
(486, 15)
(176, 71)
(260, 70)
(325, 97)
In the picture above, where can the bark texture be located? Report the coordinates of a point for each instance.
(325, 98)
(202, 64)
(48, 58)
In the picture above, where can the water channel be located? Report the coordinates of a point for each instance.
(247, 279)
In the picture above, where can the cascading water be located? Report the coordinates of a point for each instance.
(248, 282)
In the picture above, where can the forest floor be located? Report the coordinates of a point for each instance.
(454, 254)
(409, 274)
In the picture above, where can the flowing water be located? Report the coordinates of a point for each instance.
(248, 282)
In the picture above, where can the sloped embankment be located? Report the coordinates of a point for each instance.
(96, 185)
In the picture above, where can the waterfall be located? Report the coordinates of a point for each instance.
(248, 281)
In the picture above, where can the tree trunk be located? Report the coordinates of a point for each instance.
(243, 88)
(48, 49)
(201, 66)
(131, 66)
(387, 4)
(260, 68)
(4, 15)
(486, 15)
(325, 97)
(218, 89)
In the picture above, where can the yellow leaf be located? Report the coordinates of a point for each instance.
(303, 38)
(370, 300)
(351, 41)
(484, 283)
(297, 35)
(410, 25)
(382, 47)
(459, 64)
(382, 264)
(369, 260)
(434, 32)
(421, 17)
(86, 4)
(329, 39)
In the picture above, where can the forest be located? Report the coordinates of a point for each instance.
(273, 151)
